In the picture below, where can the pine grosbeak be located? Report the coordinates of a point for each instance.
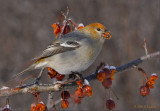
(73, 52)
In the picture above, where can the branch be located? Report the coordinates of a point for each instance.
(31, 88)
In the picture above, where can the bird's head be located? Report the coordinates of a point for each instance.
(96, 31)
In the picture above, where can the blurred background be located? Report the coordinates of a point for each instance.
(25, 30)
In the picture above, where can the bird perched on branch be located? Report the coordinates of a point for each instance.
(73, 52)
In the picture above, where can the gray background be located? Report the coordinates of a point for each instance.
(25, 30)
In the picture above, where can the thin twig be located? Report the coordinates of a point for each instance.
(145, 46)
(65, 20)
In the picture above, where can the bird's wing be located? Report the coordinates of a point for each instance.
(58, 47)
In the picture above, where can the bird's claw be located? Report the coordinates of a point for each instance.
(76, 76)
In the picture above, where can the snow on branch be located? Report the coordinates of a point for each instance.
(35, 87)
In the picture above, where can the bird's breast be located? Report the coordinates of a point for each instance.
(74, 61)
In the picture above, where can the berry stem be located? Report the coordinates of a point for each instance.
(145, 75)
(141, 70)
(26, 79)
(143, 78)
(7, 101)
(109, 93)
(114, 93)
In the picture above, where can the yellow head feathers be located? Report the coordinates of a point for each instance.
(96, 25)
(94, 30)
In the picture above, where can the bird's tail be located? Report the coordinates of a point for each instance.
(22, 72)
(17, 75)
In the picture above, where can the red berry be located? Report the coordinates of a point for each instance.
(103, 74)
(51, 72)
(144, 90)
(60, 77)
(65, 104)
(6, 109)
(7, 106)
(41, 106)
(77, 100)
(107, 83)
(107, 72)
(66, 29)
(110, 104)
(65, 95)
(79, 93)
(33, 107)
(87, 90)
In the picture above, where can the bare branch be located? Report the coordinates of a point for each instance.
(145, 46)
(65, 20)
(31, 88)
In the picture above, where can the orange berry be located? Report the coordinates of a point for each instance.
(51, 72)
(113, 71)
(33, 107)
(154, 76)
(79, 83)
(87, 90)
(64, 104)
(79, 92)
(60, 77)
(101, 76)
(151, 81)
(51, 75)
(80, 26)
(41, 106)
(56, 29)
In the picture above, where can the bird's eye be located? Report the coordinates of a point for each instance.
(98, 29)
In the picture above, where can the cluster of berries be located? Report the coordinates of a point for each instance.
(65, 95)
(64, 25)
(82, 91)
(64, 29)
(105, 76)
(53, 74)
(145, 88)
(39, 105)
(7, 107)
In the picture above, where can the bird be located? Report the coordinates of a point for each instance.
(72, 52)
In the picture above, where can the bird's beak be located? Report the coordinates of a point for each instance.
(106, 35)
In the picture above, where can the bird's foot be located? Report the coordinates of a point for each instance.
(102, 64)
(75, 76)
